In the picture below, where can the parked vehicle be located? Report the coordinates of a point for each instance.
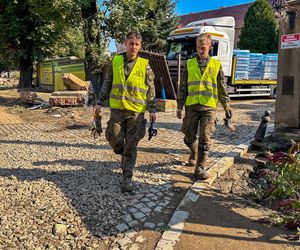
(242, 77)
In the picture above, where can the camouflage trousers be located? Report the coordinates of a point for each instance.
(199, 120)
(124, 131)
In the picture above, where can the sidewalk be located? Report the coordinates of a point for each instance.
(208, 219)
(219, 221)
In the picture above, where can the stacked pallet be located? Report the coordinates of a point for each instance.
(242, 64)
(255, 67)
(270, 63)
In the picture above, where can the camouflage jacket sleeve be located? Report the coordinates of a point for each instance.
(222, 93)
(106, 87)
(151, 105)
(182, 90)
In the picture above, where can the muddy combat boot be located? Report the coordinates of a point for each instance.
(127, 185)
(200, 169)
(200, 173)
(192, 157)
(128, 163)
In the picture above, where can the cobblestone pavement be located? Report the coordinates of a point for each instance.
(60, 189)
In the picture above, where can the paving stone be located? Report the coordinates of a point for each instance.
(164, 203)
(168, 185)
(145, 210)
(155, 198)
(143, 219)
(151, 204)
(158, 209)
(138, 215)
(139, 205)
(149, 225)
(133, 224)
(153, 190)
(145, 200)
(159, 194)
(122, 227)
(150, 195)
(132, 210)
(127, 218)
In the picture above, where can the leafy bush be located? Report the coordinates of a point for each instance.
(286, 185)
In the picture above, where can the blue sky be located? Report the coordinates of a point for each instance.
(188, 6)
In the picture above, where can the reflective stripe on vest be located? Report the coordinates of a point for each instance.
(129, 94)
(203, 88)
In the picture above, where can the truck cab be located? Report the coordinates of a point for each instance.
(182, 42)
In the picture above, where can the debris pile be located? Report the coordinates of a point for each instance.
(74, 95)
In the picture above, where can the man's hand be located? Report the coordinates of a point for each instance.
(152, 117)
(228, 111)
(228, 118)
(179, 113)
(97, 109)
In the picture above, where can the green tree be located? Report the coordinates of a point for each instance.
(260, 31)
(154, 19)
(95, 40)
(126, 16)
(70, 44)
(158, 24)
(28, 30)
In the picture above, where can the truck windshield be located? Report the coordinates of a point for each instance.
(187, 48)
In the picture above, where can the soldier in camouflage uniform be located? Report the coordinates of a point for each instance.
(202, 86)
(129, 85)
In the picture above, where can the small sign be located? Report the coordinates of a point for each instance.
(290, 41)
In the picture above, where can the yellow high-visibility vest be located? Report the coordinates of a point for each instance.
(130, 93)
(203, 88)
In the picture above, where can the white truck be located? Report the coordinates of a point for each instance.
(182, 46)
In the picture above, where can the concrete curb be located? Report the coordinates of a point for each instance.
(176, 224)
